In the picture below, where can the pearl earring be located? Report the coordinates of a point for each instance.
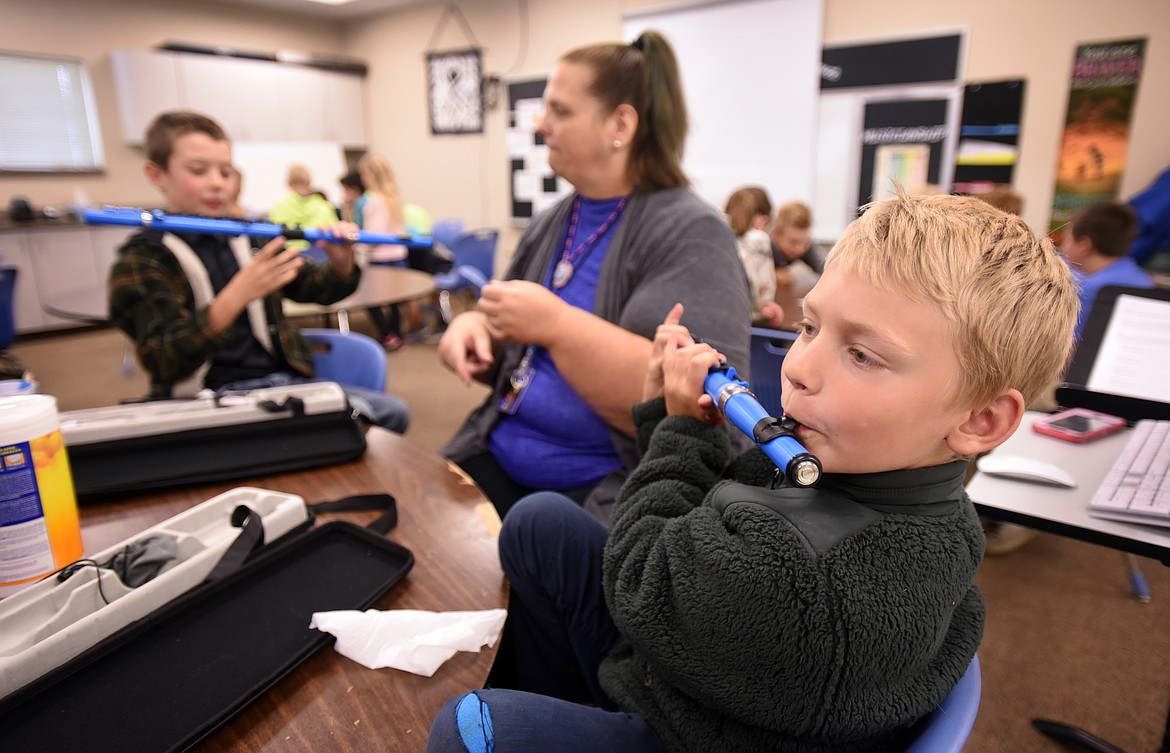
(617, 144)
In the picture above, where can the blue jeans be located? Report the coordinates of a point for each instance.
(558, 631)
(378, 408)
(510, 720)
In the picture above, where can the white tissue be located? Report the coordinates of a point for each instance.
(409, 639)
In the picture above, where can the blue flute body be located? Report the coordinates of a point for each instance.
(160, 220)
(772, 435)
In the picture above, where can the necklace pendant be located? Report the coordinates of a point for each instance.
(562, 273)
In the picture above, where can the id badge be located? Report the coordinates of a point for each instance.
(510, 402)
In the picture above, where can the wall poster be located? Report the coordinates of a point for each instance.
(455, 88)
(1095, 141)
(901, 144)
(534, 186)
(989, 135)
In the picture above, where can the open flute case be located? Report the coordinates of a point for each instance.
(89, 662)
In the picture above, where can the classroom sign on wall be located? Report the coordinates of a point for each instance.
(1095, 141)
(535, 186)
(989, 135)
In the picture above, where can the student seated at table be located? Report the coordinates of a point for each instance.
(1097, 247)
(302, 206)
(204, 310)
(721, 614)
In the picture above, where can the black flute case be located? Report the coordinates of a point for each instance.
(139, 446)
(166, 681)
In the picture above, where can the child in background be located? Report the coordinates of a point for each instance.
(748, 210)
(791, 243)
(1002, 197)
(302, 206)
(720, 614)
(1097, 247)
(353, 197)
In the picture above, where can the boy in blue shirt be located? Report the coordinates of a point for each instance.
(1097, 247)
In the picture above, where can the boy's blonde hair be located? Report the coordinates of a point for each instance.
(794, 214)
(298, 176)
(1005, 292)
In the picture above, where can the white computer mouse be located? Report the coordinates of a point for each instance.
(1025, 469)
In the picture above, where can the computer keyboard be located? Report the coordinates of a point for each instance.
(1137, 487)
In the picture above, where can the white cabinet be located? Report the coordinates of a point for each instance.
(243, 95)
(319, 105)
(60, 267)
(147, 82)
(254, 100)
(14, 252)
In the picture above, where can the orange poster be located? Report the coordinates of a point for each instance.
(1096, 131)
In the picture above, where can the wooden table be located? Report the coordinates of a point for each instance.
(330, 702)
(380, 285)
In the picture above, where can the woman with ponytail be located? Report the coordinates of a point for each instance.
(565, 338)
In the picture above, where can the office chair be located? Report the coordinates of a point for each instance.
(768, 347)
(348, 358)
(446, 231)
(945, 730)
(7, 306)
(10, 368)
(473, 266)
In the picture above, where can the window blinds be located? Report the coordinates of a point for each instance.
(48, 122)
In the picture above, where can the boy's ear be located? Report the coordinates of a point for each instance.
(988, 427)
(154, 173)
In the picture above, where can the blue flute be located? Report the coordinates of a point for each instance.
(772, 435)
(160, 220)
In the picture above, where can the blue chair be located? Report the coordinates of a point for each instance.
(446, 231)
(472, 267)
(7, 306)
(768, 347)
(348, 358)
(945, 730)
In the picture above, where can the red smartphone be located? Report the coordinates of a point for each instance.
(1078, 425)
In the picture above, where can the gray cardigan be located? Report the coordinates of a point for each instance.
(671, 246)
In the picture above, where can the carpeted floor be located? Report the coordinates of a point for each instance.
(1065, 639)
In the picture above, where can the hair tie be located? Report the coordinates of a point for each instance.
(639, 44)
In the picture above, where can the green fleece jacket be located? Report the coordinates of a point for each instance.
(824, 619)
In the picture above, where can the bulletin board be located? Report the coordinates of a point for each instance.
(532, 183)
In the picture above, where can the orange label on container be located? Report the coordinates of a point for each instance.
(39, 527)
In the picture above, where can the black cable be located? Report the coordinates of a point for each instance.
(522, 48)
(69, 570)
(451, 7)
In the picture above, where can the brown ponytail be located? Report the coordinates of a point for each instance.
(645, 76)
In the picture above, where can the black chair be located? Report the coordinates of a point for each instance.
(10, 368)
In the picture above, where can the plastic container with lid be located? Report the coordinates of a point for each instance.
(39, 527)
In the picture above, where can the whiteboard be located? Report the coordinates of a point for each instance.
(751, 75)
(265, 164)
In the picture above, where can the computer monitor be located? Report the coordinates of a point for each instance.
(1122, 364)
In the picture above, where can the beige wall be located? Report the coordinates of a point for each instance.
(89, 30)
(467, 176)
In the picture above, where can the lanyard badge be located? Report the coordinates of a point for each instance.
(521, 378)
